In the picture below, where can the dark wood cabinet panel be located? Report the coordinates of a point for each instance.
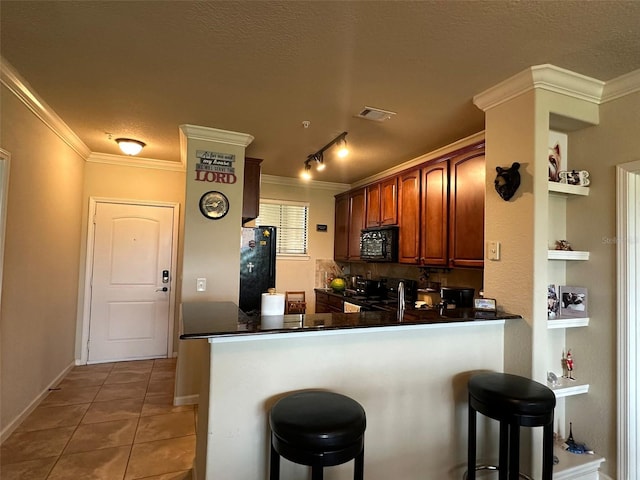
(389, 201)
(434, 218)
(409, 217)
(466, 210)
(251, 192)
(382, 203)
(373, 205)
(357, 211)
(341, 235)
(328, 303)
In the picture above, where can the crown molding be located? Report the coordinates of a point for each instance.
(11, 79)
(296, 182)
(196, 132)
(141, 162)
(545, 77)
(621, 86)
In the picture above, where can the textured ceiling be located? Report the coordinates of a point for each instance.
(142, 68)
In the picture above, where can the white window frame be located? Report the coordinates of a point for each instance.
(291, 256)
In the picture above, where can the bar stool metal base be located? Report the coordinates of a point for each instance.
(492, 467)
(515, 402)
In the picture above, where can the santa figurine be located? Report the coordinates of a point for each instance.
(568, 361)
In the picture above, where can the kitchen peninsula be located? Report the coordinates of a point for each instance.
(410, 376)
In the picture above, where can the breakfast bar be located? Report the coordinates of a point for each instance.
(409, 374)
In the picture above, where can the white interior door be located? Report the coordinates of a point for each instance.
(131, 281)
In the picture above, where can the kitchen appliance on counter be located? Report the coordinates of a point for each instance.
(461, 297)
(379, 244)
(366, 287)
(257, 266)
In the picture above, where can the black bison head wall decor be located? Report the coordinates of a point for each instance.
(507, 181)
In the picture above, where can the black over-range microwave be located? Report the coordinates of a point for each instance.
(379, 244)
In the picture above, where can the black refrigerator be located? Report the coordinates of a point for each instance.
(257, 266)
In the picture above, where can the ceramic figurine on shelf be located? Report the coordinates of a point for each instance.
(572, 446)
(563, 245)
(567, 361)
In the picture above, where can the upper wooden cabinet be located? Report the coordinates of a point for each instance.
(341, 236)
(466, 209)
(438, 206)
(382, 203)
(409, 217)
(434, 215)
(357, 209)
(350, 211)
(251, 192)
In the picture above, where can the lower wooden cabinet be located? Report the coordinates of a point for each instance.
(326, 303)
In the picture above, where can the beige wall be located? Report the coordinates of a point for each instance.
(299, 274)
(593, 221)
(211, 247)
(39, 290)
(102, 180)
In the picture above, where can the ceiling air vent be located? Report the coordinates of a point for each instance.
(375, 114)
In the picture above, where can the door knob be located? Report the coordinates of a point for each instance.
(163, 289)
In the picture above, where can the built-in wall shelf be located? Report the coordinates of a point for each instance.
(564, 188)
(572, 465)
(569, 388)
(567, 255)
(567, 322)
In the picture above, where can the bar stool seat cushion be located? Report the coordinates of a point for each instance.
(318, 420)
(502, 395)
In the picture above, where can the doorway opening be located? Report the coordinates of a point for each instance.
(628, 306)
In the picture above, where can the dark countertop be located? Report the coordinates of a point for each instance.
(224, 319)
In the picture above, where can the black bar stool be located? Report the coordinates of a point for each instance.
(318, 429)
(515, 402)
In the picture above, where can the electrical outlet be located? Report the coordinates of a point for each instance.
(201, 284)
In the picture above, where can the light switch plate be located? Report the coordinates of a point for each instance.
(493, 250)
(201, 284)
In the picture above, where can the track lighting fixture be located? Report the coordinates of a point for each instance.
(318, 157)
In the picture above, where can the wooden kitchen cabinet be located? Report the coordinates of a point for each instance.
(350, 210)
(409, 217)
(251, 192)
(341, 235)
(434, 215)
(326, 303)
(466, 209)
(382, 203)
(357, 210)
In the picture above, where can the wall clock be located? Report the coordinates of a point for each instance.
(214, 205)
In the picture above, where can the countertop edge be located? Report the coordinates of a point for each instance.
(273, 335)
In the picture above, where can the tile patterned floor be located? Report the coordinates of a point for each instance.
(111, 421)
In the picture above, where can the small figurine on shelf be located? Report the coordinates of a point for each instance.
(563, 245)
(567, 361)
(572, 446)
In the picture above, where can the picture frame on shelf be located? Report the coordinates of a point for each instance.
(558, 143)
(553, 301)
(573, 301)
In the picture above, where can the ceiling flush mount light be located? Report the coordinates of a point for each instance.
(318, 157)
(130, 146)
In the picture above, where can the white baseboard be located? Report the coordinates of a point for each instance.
(186, 400)
(15, 423)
